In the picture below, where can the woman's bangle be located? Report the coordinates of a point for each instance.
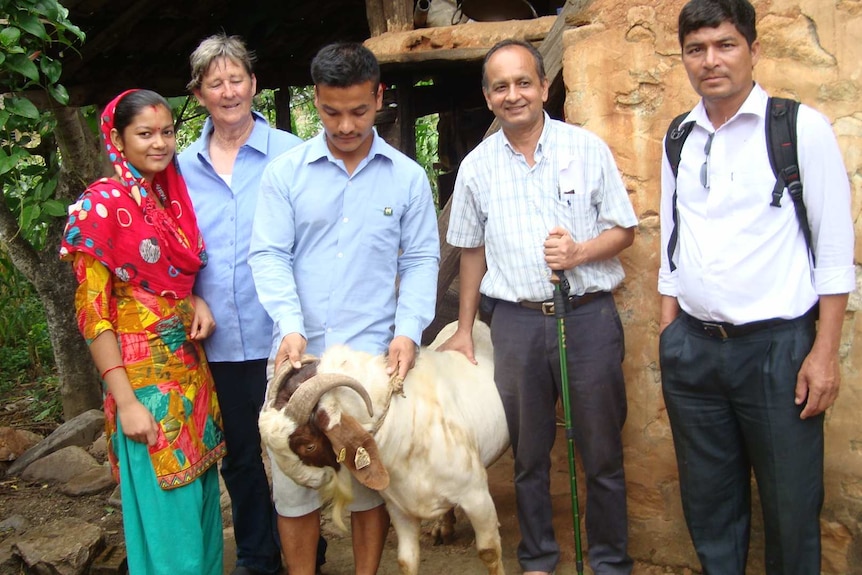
(110, 369)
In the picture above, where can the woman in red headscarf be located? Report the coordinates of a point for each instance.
(136, 249)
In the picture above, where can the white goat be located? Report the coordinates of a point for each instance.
(425, 451)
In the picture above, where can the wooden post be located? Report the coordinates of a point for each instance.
(376, 18)
(406, 115)
(398, 14)
(282, 109)
(389, 16)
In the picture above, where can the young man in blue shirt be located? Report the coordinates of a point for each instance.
(339, 220)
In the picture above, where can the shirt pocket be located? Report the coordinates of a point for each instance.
(751, 187)
(382, 229)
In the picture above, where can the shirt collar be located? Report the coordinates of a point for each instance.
(540, 145)
(318, 149)
(258, 139)
(754, 104)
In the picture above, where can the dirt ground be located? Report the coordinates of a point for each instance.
(40, 504)
(460, 556)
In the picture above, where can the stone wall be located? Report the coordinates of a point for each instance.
(625, 82)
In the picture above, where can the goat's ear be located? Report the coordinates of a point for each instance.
(355, 448)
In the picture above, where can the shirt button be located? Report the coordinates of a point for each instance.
(340, 255)
(345, 220)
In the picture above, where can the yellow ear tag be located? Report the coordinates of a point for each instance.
(361, 460)
(342, 455)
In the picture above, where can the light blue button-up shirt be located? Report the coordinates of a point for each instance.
(327, 247)
(243, 328)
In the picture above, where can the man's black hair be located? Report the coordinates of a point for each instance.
(712, 13)
(345, 64)
(131, 105)
(534, 52)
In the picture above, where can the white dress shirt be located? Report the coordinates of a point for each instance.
(738, 258)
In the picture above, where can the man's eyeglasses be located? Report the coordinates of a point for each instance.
(704, 169)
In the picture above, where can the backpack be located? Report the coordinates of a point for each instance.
(781, 145)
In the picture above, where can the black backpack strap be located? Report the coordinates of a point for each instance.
(674, 140)
(781, 145)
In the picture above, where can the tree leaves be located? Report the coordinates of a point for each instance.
(59, 93)
(21, 107)
(9, 36)
(51, 68)
(30, 23)
(21, 64)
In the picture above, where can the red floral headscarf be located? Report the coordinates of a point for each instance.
(118, 222)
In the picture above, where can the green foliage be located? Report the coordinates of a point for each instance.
(25, 346)
(427, 149)
(304, 119)
(29, 178)
(32, 41)
(33, 29)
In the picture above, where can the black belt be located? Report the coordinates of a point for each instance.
(724, 330)
(575, 301)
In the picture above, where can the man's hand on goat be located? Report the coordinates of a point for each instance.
(203, 322)
(461, 341)
(402, 356)
(291, 349)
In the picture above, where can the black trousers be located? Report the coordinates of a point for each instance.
(731, 409)
(241, 387)
(527, 373)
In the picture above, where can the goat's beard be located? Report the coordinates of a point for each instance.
(338, 491)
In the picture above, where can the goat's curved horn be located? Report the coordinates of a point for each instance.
(309, 393)
(283, 373)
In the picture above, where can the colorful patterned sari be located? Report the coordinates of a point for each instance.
(135, 260)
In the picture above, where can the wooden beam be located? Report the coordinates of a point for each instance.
(552, 52)
(430, 56)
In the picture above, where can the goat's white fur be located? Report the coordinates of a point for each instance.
(435, 442)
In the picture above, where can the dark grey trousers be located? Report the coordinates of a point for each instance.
(731, 409)
(527, 372)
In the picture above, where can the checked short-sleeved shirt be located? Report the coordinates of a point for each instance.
(509, 207)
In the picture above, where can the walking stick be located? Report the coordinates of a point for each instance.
(561, 299)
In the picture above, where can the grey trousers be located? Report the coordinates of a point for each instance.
(731, 409)
(527, 372)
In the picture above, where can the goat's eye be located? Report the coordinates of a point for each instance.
(310, 448)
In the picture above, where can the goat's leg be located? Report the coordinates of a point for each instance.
(407, 529)
(479, 508)
(443, 530)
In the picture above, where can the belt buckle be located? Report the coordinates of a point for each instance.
(548, 308)
(715, 329)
